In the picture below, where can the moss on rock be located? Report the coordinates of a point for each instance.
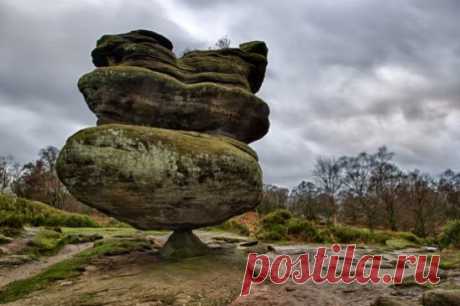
(161, 179)
(135, 95)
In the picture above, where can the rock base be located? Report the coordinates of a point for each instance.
(183, 244)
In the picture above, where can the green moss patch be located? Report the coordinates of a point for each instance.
(68, 268)
(18, 212)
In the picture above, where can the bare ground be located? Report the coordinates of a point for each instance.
(142, 278)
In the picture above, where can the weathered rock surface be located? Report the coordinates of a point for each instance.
(160, 179)
(183, 244)
(243, 67)
(134, 95)
(393, 301)
(142, 82)
(442, 297)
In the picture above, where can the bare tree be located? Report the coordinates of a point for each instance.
(448, 187)
(49, 156)
(6, 171)
(274, 197)
(386, 180)
(357, 180)
(421, 199)
(328, 176)
(223, 43)
(304, 200)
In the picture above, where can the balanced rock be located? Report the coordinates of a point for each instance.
(140, 81)
(170, 150)
(155, 178)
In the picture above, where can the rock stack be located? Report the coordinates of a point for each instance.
(170, 149)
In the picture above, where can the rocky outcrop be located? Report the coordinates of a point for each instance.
(161, 179)
(142, 82)
(170, 150)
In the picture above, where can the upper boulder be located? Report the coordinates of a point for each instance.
(243, 67)
(140, 81)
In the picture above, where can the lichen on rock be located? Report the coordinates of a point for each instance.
(161, 179)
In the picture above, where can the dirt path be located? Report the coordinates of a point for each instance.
(13, 273)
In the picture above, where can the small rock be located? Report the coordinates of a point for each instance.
(430, 249)
(65, 283)
(183, 299)
(156, 243)
(290, 288)
(249, 243)
(349, 290)
(228, 239)
(15, 260)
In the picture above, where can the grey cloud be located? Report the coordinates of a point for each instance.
(354, 75)
(344, 76)
(45, 53)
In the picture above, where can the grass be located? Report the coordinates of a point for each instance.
(109, 232)
(49, 242)
(68, 268)
(398, 244)
(18, 212)
(45, 242)
(233, 226)
(450, 259)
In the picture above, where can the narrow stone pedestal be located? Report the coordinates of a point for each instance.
(183, 244)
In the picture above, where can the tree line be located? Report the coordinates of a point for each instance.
(368, 189)
(373, 191)
(37, 180)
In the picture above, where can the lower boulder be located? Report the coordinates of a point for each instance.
(155, 178)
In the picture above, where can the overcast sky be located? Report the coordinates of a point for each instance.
(343, 76)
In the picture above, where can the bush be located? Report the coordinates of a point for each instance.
(450, 235)
(273, 227)
(17, 212)
(348, 234)
(304, 230)
(281, 225)
(409, 237)
(275, 232)
(235, 227)
(280, 216)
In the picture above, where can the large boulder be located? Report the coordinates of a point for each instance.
(139, 96)
(140, 81)
(154, 178)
